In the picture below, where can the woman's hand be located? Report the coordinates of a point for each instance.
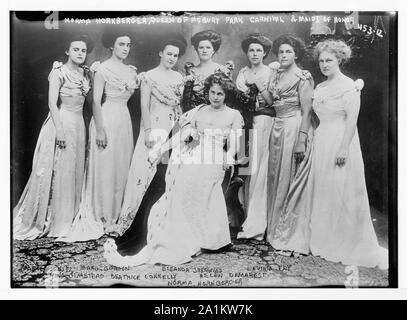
(226, 166)
(228, 161)
(341, 157)
(60, 139)
(147, 139)
(299, 151)
(101, 138)
(154, 155)
(190, 137)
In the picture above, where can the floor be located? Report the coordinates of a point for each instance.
(247, 263)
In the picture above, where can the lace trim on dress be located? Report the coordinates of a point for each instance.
(116, 80)
(71, 81)
(168, 94)
(356, 87)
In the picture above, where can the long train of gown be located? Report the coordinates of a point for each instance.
(192, 213)
(106, 169)
(51, 197)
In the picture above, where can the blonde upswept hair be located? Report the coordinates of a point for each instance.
(338, 48)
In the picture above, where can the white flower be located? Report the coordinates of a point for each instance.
(230, 65)
(95, 66)
(274, 65)
(57, 65)
(359, 84)
(189, 78)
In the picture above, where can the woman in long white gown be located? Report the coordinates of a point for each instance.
(51, 197)
(111, 144)
(334, 213)
(192, 213)
(161, 90)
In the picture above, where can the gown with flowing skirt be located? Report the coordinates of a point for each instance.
(51, 197)
(341, 225)
(333, 219)
(283, 171)
(164, 113)
(256, 183)
(106, 169)
(192, 212)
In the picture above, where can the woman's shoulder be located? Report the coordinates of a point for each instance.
(157, 76)
(101, 67)
(243, 70)
(233, 112)
(303, 75)
(105, 64)
(176, 76)
(347, 84)
(342, 87)
(147, 76)
(58, 71)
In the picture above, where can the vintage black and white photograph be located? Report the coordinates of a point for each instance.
(203, 149)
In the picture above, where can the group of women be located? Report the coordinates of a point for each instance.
(163, 201)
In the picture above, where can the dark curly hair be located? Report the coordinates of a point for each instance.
(181, 44)
(212, 36)
(224, 82)
(80, 37)
(296, 43)
(257, 38)
(110, 35)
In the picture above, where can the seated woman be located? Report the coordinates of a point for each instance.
(332, 219)
(192, 215)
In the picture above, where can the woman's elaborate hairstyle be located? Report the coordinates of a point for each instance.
(257, 38)
(79, 37)
(224, 81)
(210, 35)
(296, 43)
(110, 35)
(338, 48)
(181, 44)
